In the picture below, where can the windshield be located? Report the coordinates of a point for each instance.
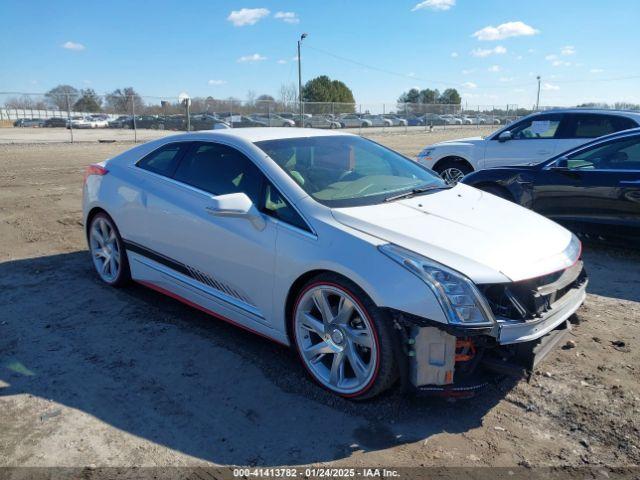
(344, 171)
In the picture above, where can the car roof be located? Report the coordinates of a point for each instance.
(597, 111)
(258, 134)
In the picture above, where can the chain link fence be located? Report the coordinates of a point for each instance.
(122, 117)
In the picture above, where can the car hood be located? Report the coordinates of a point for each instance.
(461, 141)
(488, 239)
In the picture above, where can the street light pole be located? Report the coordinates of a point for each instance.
(538, 97)
(302, 37)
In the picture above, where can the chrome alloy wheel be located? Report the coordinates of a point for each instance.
(336, 339)
(452, 175)
(104, 249)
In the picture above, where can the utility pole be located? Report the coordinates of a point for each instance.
(302, 37)
(538, 97)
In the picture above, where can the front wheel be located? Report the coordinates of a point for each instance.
(452, 171)
(343, 339)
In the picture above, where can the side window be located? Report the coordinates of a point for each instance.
(164, 160)
(584, 125)
(276, 206)
(623, 154)
(542, 126)
(219, 169)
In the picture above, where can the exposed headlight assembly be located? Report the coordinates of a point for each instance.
(459, 298)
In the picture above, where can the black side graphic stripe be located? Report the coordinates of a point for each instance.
(158, 257)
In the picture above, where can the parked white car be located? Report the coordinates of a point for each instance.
(530, 140)
(82, 122)
(366, 263)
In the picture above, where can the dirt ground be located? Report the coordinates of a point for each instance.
(91, 375)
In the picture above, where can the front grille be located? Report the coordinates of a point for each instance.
(533, 298)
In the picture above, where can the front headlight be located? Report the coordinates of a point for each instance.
(425, 153)
(459, 298)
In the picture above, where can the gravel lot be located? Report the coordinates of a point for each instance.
(91, 375)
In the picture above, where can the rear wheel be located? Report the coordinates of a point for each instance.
(453, 170)
(343, 339)
(107, 251)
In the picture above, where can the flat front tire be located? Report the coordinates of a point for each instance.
(344, 341)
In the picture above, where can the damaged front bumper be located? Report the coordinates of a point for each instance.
(458, 361)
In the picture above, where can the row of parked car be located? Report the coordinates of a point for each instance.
(212, 121)
(578, 167)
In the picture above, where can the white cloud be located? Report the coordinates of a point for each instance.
(568, 50)
(519, 57)
(76, 47)
(531, 50)
(256, 57)
(485, 52)
(247, 16)
(505, 30)
(454, 54)
(434, 5)
(469, 85)
(217, 82)
(288, 17)
(411, 74)
(282, 62)
(467, 72)
(518, 90)
(596, 70)
(556, 62)
(506, 79)
(494, 68)
(550, 86)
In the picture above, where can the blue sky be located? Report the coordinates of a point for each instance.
(490, 50)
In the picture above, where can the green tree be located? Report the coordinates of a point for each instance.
(450, 96)
(121, 100)
(323, 89)
(429, 96)
(57, 96)
(89, 101)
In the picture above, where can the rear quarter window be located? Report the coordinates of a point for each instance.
(163, 161)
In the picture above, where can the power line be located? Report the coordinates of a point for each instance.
(413, 77)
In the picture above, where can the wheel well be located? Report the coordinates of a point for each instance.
(92, 213)
(495, 186)
(453, 158)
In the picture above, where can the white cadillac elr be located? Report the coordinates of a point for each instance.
(364, 261)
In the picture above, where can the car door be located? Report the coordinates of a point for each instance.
(579, 128)
(230, 257)
(533, 140)
(595, 191)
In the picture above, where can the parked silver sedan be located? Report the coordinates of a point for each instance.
(321, 121)
(353, 120)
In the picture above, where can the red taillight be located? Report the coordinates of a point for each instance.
(94, 169)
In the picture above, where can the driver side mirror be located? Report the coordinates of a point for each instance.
(237, 205)
(561, 164)
(504, 136)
